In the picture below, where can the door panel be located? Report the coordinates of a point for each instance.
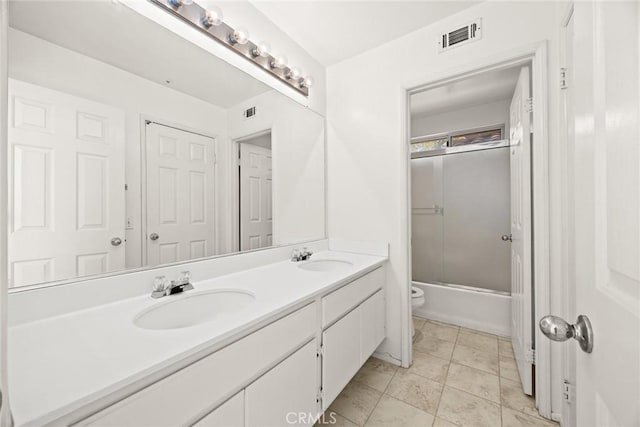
(520, 146)
(66, 175)
(180, 195)
(605, 160)
(256, 211)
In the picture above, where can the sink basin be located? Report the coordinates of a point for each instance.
(326, 265)
(193, 309)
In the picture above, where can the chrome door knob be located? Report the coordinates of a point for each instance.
(116, 241)
(557, 329)
(154, 236)
(506, 238)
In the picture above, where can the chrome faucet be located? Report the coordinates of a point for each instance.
(298, 255)
(163, 287)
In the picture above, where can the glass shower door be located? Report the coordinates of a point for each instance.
(476, 199)
(427, 223)
(460, 210)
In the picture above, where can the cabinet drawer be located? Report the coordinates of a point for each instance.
(186, 395)
(344, 299)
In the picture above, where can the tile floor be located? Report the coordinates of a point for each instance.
(459, 377)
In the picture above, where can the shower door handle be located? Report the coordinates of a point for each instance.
(506, 238)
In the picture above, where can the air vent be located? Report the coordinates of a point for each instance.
(459, 36)
(249, 112)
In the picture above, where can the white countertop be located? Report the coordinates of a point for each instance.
(63, 364)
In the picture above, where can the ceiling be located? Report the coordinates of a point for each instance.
(111, 32)
(487, 87)
(332, 31)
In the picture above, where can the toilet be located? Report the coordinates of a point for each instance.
(417, 300)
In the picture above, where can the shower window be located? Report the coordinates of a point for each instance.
(476, 137)
(422, 144)
(429, 144)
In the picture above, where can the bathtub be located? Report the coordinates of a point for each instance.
(466, 306)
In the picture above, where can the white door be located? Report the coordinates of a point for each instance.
(66, 181)
(256, 210)
(180, 195)
(520, 146)
(605, 159)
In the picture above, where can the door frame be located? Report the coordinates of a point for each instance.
(144, 120)
(567, 304)
(235, 183)
(536, 55)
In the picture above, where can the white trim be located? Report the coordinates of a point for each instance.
(536, 54)
(144, 118)
(406, 331)
(567, 415)
(541, 229)
(5, 412)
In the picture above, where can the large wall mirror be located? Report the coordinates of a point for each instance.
(130, 147)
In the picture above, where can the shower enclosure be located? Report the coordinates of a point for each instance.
(461, 218)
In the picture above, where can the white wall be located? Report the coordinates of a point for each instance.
(366, 134)
(297, 145)
(488, 114)
(37, 61)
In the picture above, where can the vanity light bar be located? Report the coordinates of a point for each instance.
(236, 40)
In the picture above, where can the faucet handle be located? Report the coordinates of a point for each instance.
(159, 283)
(295, 255)
(185, 277)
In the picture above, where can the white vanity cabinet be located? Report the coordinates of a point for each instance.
(190, 394)
(275, 376)
(349, 341)
(286, 395)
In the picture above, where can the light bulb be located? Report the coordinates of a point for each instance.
(280, 61)
(178, 3)
(239, 36)
(307, 82)
(212, 16)
(263, 49)
(294, 73)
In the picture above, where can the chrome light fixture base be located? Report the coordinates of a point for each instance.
(192, 14)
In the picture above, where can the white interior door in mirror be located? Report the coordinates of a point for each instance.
(66, 178)
(520, 146)
(180, 195)
(256, 210)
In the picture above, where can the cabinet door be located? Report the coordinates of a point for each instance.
(341, 355)
(372, 317)
(286, 395)
(229, 414)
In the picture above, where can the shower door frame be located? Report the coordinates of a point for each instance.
(536, 56)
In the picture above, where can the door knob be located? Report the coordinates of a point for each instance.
(506, 238)
(557, 329)
(116, 241)
(154, 236)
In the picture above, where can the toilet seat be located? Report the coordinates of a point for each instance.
(417, 297)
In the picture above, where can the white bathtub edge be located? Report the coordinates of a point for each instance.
(485, 312)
